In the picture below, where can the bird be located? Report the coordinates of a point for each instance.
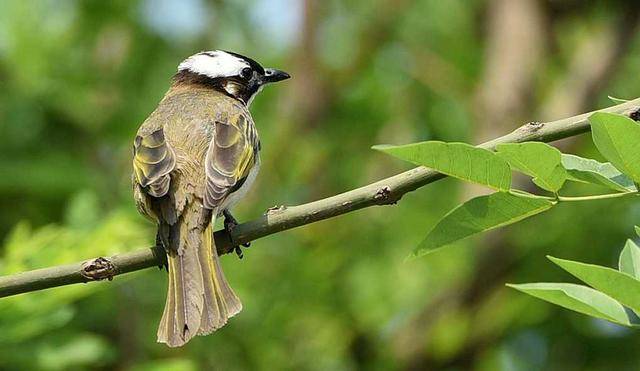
(194, 157)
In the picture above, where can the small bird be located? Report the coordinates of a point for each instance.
(194, 157)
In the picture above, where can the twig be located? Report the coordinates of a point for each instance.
(384, 192)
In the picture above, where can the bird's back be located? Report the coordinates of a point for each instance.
(187, 118)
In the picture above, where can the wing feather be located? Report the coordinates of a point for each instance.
(153, 160)
(230, 156)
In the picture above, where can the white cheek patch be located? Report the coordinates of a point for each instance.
(214, 64)
(232, 88)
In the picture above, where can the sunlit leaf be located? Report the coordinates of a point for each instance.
(629, 261)
(579, 298)
(481, 214)
(459, 160)
(591, 171)
(538, 160)
(620, 286)
(617, 138)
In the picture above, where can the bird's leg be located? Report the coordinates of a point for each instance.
(160, 252)
(230, 224)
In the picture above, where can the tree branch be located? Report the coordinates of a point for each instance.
(384, 192)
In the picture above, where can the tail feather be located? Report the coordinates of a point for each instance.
(167, 321)
(228, 296)
(212, 317)
(218, 295)
(199, 299)
(181, 318)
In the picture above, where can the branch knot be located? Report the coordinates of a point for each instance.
(383, 196)
(275, 209)
(98, 269)
(534, 126)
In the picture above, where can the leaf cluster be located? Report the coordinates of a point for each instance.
(613, 295)
(616, 138)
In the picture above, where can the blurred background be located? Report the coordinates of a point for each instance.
(78, 77)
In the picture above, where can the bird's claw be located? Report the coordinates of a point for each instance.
(230, 223)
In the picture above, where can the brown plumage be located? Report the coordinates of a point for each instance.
(196, 149)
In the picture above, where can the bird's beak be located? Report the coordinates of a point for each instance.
(273, 75)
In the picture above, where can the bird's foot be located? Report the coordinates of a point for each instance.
(160, 252)
(230, 223)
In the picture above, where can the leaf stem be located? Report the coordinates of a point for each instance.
(558, 198)
(596, 197)
(520, 193)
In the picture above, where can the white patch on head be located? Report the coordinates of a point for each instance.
(214, 64)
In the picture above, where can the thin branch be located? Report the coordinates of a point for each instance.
(384, 192)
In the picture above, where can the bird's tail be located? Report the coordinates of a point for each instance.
(199, 298)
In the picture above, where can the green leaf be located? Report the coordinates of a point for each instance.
(617, 138)
(617, 100)
(620, 286)
(481, 214)
(538, 160)
(630, 259)
(586, 170)
(459, 160)
(637, 230)
(579, 298)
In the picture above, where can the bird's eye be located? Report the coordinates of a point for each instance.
(245, 73)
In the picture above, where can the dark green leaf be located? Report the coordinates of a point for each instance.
(459, 160)
(481, 214)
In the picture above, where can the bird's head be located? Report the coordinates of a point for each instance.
(233, 74)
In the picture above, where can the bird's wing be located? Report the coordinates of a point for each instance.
(231, 155)
(153, 160)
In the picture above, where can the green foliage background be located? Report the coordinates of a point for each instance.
(78, 77)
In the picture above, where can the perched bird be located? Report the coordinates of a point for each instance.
(194, 157)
